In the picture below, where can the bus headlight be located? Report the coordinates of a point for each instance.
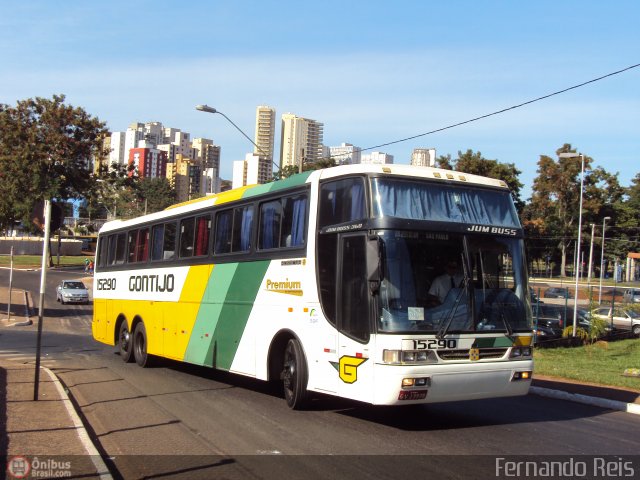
(520, 352)
(411, 357)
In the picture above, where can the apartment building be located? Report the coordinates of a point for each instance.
(150, 162)
(301, 141)
(264, 139)
(345, 154)
(376, 158)
(423, 157)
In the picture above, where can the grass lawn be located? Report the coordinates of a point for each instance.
(601, 363)
(36, 260)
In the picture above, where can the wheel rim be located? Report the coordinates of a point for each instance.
(125, 339)
(289, 371)
(138, 344)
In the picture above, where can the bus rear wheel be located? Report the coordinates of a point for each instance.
(125, 343)
(140, 346)
(294, 375)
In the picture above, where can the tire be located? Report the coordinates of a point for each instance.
(636, 330)
(294, 375)
(125, 343)
(139, 346)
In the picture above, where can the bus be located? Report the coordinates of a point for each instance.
(324, 282)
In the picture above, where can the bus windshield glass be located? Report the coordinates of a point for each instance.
(441, 282)
(445, 203)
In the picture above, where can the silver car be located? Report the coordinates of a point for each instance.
(621, 318)
(72, 291)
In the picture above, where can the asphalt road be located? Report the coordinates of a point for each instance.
(181, 420)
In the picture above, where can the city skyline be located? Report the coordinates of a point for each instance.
(424, 66)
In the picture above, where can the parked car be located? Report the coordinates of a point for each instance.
(534, 297)
(632, 295)
(558, 318)
(557, 292)
(622, 318)
(72, 291)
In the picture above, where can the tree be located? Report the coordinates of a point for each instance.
(157, 193)
(554, 209)
(476, 164)
(45, 153)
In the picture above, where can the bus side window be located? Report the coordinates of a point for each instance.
(157, 234)
(169, 244)
(120, 248)
(224, 225)
(203, 228)
(270, 220)
(132, 238)
(293, 228)
(142, 245)
(242, 227)
(187, 226)
(103, 251)
(342, 201)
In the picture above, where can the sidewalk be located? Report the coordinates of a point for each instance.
(51, 426)
(44, 436)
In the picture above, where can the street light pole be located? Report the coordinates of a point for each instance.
(593, 226)
(604, 223)
(575, 303)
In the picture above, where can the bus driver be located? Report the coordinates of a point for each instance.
(452, 278)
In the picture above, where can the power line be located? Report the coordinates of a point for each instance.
(501, 111)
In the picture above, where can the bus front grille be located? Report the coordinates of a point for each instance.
(484, 354)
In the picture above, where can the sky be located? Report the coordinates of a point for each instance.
(372, 71)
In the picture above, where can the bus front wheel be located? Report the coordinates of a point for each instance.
(125, 342)
(140, 346)
(294, 375)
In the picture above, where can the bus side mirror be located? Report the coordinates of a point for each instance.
(374, 263)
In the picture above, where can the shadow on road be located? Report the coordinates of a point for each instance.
(430, 417)
(4, 439)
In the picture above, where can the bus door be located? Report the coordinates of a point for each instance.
(355, 366)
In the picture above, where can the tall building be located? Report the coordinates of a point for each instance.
(264, 139)
(208, 154)
(184, 175)
(117, 153)
(301, 141)
(134, 133)
(423, 157)
(377, 158)
(345, 154)
(247, 171)
(150, 162)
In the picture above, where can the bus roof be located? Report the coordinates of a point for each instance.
(307, 177)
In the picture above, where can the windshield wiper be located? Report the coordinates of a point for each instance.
(507, 325)
(445, 327)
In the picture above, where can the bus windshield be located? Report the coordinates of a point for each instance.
(442, 282)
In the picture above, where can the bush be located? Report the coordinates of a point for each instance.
(581, 333)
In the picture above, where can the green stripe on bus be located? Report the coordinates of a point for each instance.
(209, 313)
(223, 315)
(493, 342)
(292, 181)
(235, 312)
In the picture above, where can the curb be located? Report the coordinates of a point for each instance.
(27, 313)
(96, 459)
(633, 408)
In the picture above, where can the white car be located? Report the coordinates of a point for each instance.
(72, 291)
(622, 318)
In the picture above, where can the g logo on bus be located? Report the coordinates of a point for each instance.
(474, 354)
(348, 368)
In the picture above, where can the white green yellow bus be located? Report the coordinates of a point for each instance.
(327, 282)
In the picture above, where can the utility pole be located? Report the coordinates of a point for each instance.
(43, 279)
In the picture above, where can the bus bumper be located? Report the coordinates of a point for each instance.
(449, 383)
